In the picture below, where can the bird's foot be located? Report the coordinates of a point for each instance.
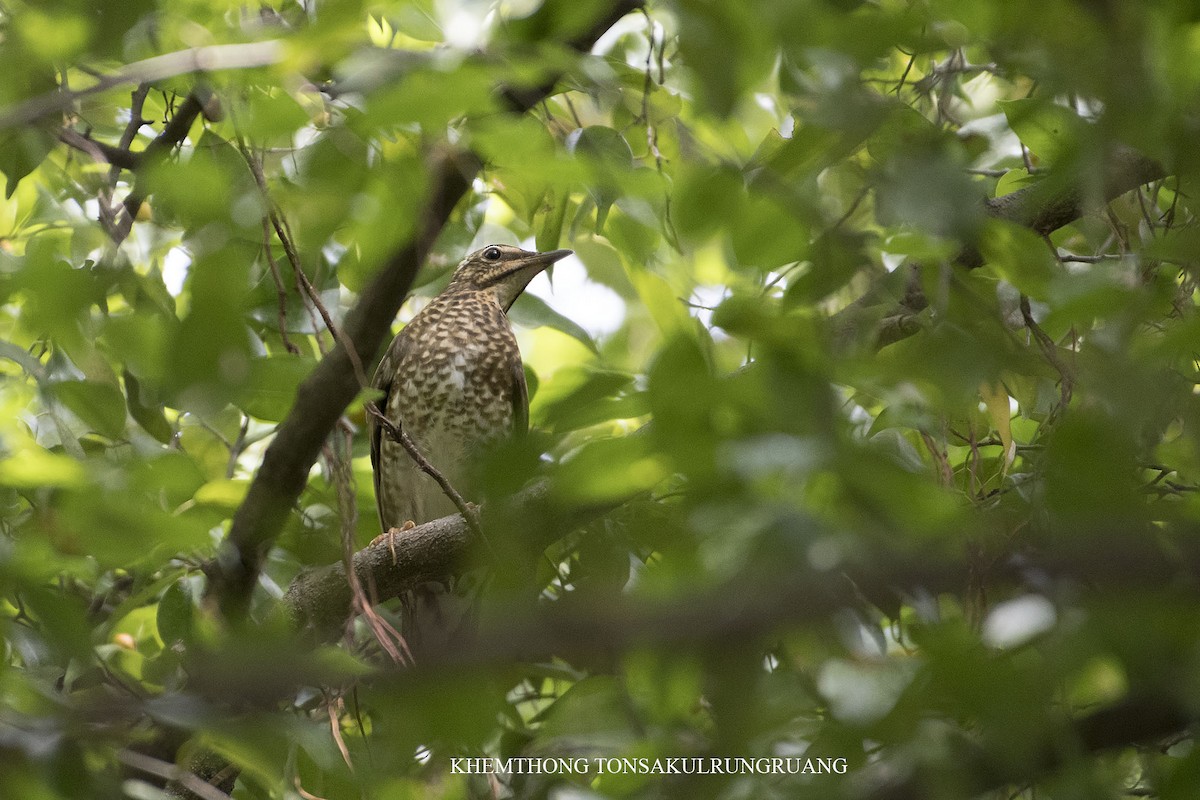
(391, 535)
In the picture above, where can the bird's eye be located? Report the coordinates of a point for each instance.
(492, 254)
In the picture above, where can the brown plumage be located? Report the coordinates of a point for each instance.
(453, 380)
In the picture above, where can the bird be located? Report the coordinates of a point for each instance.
(454, 381)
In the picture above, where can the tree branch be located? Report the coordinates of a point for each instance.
(172, 135)
(100, 151)
(320, 599)
(1052, 203)
(169, 65)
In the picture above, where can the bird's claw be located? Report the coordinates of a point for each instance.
(391, 535)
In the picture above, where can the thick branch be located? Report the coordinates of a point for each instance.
(151, 70)
(324, 395)
(320, 599)
(1052, 203)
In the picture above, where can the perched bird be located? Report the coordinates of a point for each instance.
(453, 380)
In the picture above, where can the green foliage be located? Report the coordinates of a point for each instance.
(841, 461)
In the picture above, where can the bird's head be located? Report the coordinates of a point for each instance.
(503, 270)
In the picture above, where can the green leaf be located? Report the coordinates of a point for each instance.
(574, 391)
(148, 414)
(22, 150)
(1048, 129)
(101, 406)
(1019, 256)
(609, 158)
(661, 301)
(176, 613)
(225, 494)
(532, 311)
(270, 388)
(549, 234)
(1014, 179)
(33, 468)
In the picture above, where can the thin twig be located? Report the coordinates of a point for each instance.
(283, 233)
(335, 730)
(938, 454)
(912, 59)
(396, 434)
(238, 445)
(99, 151)
(391, 640)
(280, 292)
(1050, 350)
(171, 772)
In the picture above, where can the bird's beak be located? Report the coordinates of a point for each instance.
(544, 260)
(547, 260)
(519, 273)
(536, 262)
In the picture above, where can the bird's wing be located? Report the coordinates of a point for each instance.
(385, 375)
(520, 400)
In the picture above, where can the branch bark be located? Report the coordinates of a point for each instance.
(1054, 202)
(117, 156)
(320, 600)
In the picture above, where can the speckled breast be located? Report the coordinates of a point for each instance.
(452, 393)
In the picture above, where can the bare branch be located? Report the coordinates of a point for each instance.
(100, 151)
(169, 65)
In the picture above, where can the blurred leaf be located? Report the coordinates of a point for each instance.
(22, 150)
(34, 467)
(270, 386)
(146, 413)
(1048, 129)
(176, 614)
(741, 40)
(532, 311)
(573, 391)
(99, 405)
(661, 301)
(550, 232)
(223, 494)
(1019, 256)
(608, 155)
(1090, 470)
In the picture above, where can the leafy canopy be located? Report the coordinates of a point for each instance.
(880, 341)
